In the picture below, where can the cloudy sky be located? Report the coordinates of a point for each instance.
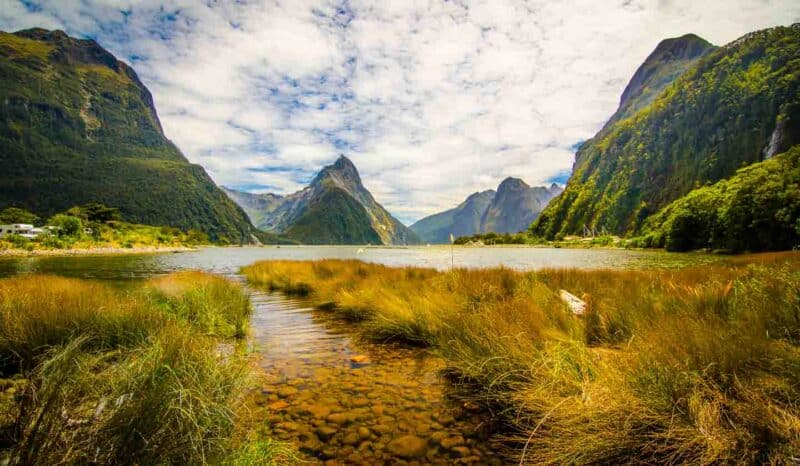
(432, 100)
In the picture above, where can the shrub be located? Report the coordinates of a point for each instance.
(67, 225)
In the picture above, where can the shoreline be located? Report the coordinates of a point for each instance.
(95, 251)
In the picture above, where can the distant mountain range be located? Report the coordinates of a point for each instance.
(335, 208)
(78, 126)
(692, 115)
(510, 209)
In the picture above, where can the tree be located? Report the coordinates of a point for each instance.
(96, 212)
(67, 224)
(16, 215)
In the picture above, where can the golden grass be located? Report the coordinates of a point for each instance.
(111, 376)
(699, 365)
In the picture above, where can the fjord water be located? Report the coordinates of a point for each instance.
(227, 261)
(326, 391)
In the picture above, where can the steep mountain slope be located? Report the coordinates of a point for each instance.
(736, 106)
(464, 220)
(510, 209)
(77, 126)
(333, 218)
(756, 209)
(670, 59)
(307, 214)
(516, 205)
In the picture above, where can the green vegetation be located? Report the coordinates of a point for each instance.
(334, 218)
(16, 215)
(97, 375)
(96, 226)
(695, 366)
(756, 209)
(77, 126)
(525, 238)
(719, 116)
(493, 238)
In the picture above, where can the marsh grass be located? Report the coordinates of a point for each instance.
(123, 377)
(207, 301)
(699, 365)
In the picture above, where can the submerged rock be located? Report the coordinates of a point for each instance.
(408, 446)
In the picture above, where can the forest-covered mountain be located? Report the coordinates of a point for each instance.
(510, 209)
(756, 209)
(78, 126)
(735, 106)
(335, 208)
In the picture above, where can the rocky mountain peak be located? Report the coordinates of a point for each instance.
(511, 184)
(342, 172)
(671, 58)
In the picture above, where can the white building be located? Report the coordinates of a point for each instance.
(22, 229)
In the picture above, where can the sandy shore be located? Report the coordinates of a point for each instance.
(92, 251)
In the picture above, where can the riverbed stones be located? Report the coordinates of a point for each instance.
(359, 359)
(451, 442)
(351, 439)
(318, 411)
(338, 418)
(408, 447)
(326, 432)
(278, 405)
(287, 391)
(393, 410)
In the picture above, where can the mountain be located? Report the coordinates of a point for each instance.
(510, 209)
(670, 59)
(335, 208)
(757, 209)
(736, 106)
(464, 220)
(78, 126)
(516, 205)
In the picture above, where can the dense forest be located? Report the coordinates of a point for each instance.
(756, 209)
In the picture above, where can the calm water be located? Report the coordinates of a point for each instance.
(324, 390)
(227, 261)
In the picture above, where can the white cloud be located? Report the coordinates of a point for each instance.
(432, 99)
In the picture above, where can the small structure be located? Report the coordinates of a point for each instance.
(20, 229)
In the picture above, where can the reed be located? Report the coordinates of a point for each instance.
(143, 376)
(699, 365)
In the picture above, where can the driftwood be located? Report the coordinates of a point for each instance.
(575, 304)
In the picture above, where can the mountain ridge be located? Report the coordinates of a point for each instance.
(281, 214)
(509, 209)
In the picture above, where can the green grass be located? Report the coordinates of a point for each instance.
(699, 365)
(152, 375)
